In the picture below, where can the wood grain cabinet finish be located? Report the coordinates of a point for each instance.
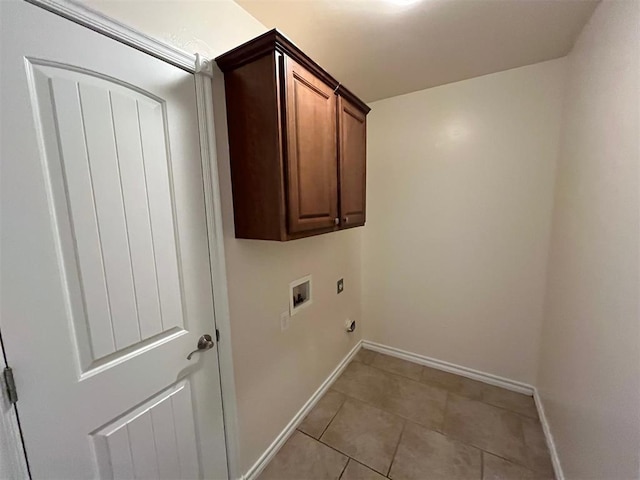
(312, 159)
(352, 136)
(297, 143)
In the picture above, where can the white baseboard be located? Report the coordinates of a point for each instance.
(557, 468)
(451, 368)
(284, 435)
(491, 379)
(482, 377)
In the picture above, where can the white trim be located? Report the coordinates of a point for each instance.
(112, 28)
(213, 209)
(551, 444)
(451, 368)
(489, 378)
(270, 452)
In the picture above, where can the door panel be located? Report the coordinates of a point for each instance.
(105, 273)
(155, 440)
(130, 286)
(352, 125)
(311, 150)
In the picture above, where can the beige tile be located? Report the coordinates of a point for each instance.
(538, 455)
(415, 401)
(425, 454)
(496, 468)
(302, 457)
(452, 383)
(365, 433)
(410, 399)
(357, 471)
(318, 419)
(397, 366)
(487, 427)
(516, 402)
(365, 356)
(363, 382)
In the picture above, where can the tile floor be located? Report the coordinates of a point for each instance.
(389, 418)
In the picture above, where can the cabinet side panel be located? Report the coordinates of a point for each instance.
(256, 167)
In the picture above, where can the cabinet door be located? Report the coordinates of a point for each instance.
(311, 154)
(352, 128)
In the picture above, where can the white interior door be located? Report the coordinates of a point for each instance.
(106, 286)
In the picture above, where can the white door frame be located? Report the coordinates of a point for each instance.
(202, 68)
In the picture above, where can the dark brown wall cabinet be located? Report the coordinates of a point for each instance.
(297, 141)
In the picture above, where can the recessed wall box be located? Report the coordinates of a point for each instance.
(300, 294)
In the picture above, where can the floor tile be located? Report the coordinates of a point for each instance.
(326, 408)
(357, 471)
(302, 457)
(516, 402)
(365, 356)
(487, 427)
(496, 468)
(367, 434)
(407, 398)
(397, 366)
(363, 382)
(453, 383)
(425, 454)
(417, 402)
(538, 455)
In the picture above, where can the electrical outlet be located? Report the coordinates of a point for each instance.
(340, 285)
(284, 321)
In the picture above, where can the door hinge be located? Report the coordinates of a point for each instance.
(12, 393)
(217, 335)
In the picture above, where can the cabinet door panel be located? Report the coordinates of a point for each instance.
(311, 156)
(352, 125)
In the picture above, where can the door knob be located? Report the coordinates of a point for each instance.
(205, 342)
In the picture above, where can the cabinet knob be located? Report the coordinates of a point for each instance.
(346, 219)
(336, 221)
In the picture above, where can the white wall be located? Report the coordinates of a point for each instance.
(460, 190)
(275, 372)
(589, 376)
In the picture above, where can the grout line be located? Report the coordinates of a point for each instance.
(377, 407)
(395, 451)
(335, 414)
(399, 374)
(325, 444)
(510, 460)
(431, 385)
(344, 453)
(520, 416)
(505, 409)
(445, 366)
(406, 420)
(344, 469)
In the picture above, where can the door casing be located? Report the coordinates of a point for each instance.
(202, 68)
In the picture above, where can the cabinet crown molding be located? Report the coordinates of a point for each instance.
(276, 40)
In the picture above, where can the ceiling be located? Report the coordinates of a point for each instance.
(383, 48)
